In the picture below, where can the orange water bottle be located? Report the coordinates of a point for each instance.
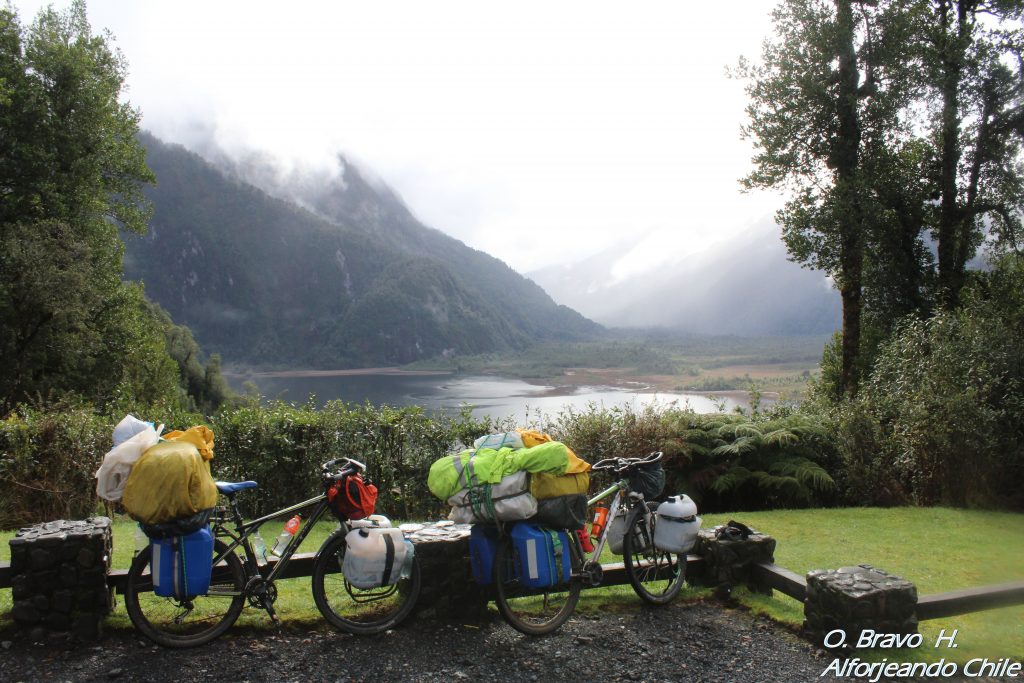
(600, 520)
(290, 527)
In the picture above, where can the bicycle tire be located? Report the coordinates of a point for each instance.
(354, 610)
(538, 611)
(185, 623)
(656, 575)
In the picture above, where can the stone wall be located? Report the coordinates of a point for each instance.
(853, 599)
(59, 577)
(442, 551)
(727, 563)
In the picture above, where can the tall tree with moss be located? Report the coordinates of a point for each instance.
(825, 105)
(71, 173)
(974, 56)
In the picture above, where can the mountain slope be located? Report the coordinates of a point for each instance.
(744, 287)
(348, 197)
(263, 281)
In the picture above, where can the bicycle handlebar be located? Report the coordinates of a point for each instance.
(624, 464)
(350, 466)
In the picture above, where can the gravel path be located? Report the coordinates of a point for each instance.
(682, 642)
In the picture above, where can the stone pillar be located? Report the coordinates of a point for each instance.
(442, 551)
(853, 599)
(59, 577)
(727, 563)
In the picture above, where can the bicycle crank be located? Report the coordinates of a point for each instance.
(592, 573)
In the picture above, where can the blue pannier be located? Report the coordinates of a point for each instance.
(542, 555)
(182, 565)
(483, 546)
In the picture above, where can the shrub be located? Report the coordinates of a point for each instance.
(47, 460)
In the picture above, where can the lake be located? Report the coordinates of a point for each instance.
(488, 395)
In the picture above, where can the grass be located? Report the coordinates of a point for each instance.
(936, 548)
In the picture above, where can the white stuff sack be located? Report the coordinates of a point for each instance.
(128, 427)
(502, 440)
(117, 463)
(510, 498)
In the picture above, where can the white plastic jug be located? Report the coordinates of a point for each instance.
(677, 525)
(374, 556)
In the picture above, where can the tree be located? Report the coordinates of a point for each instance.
(825, 103)
(71, 171)
(976, 81)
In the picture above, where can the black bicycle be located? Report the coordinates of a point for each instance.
(198, 619)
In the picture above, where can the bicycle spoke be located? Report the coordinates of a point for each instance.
(360, 611)
(656, 575)
(533, 611)
(174, 622)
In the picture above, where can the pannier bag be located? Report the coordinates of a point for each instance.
(506, 501)
(351, 498)
(542, 556)
(483, 546)
(563, 512)
(182, 565)
(617, 533)
(677, 525)
(375, 556)
(648, 479)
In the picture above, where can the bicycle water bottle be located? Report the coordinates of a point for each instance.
(290, 527)
(259, 549)
(600, 520)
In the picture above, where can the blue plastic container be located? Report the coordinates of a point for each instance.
(182, 565)
(483, 546)
(542, 555)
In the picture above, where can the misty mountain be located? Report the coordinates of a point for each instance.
(349, 278)
(746, 287)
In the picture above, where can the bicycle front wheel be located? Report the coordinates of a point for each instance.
(534, 611)
(656, 575)
(356, 610)
(193, 621)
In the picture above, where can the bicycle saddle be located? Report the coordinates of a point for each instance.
(227, 487)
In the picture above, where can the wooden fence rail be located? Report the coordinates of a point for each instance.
(935, 606)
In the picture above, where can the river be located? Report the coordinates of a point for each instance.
(487, 395)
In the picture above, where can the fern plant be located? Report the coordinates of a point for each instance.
(752, 463)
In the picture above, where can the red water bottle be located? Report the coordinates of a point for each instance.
(600, 519)
(290, 527)
(585, 543)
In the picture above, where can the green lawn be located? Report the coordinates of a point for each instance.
(937, 549)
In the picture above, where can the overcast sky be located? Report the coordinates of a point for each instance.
(536, 131)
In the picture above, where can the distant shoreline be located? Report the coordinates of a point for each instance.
(337, 373)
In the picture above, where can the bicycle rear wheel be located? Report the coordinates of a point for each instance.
(534, 611)
(185, 623)
(656, 575)
(356, 610)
